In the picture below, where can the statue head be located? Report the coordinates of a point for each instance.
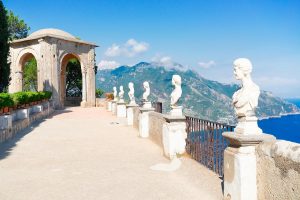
(130, 85)
(176, 80)
(115, 88)
(146, 85)
(242, 68)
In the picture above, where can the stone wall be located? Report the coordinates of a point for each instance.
(278, 170)
(156, 121)
(19, 124)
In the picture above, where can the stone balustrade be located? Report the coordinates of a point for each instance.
(22, 118)
(276, 163)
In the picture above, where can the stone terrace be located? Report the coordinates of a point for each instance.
(82, 153)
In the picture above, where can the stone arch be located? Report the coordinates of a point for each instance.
(23, 56)
(63, 61)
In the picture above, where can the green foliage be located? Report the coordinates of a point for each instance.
(45, 95)
(4, 50)
(21, 98)
(5, 100)
(17, 28)
(73, 78)
(30, 75)
(99, 92)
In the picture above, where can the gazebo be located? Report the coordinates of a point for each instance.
(52, 49)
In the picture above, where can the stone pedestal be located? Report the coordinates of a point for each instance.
(144, 122)
(109, 103)
(114, 107)
(83, 104)
(240, 165)
(121, 109)
(247, 126)
(176, 111)
(129, 108)
(5, 122)
(147, 104)
(174, 135)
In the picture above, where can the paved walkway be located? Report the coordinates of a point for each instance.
(82, 154)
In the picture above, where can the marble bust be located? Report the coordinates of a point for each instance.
(176, 94)
(131, 93)
(245, 100)
(115, 93)
(121, 93)
(147, 91)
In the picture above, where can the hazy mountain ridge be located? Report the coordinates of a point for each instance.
(202, 98)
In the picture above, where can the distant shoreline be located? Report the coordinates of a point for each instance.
(278, 116)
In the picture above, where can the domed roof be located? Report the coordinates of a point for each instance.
(51, 31)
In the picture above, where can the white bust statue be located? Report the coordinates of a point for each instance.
(245, 100)
(131, 93)
(121, 93)
(147, 91)
(115, 93)
(176, 94)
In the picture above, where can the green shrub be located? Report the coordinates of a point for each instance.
(99, 93)
(6, 100)
(48, 94)
(19, 98)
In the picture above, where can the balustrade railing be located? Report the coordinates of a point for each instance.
(205, 142)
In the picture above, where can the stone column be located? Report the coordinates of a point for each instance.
(240, 165)
(108, 105)
(18, 82)
(83, 102)
(174, 135)
(121, 109)
(130, 113)
(144, 122)
(114, 107)
(90, 79)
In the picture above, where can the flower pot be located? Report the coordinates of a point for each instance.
(5, 109)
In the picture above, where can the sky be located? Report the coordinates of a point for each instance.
(206, 36)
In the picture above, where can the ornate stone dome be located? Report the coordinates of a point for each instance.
(51, 31)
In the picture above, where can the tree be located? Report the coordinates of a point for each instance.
(4, 50)
(17, 28)
(30, 75)
(73, 78)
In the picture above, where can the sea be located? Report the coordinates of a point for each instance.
(284, 127)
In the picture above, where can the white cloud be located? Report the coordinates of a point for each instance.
(108, 64)
(113, 51)
(207, 65)
(168, 63)
(130, 49)
(163, 60)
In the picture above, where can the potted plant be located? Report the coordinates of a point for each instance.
(5, 102)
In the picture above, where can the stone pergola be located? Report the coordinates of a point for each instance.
(52, 49)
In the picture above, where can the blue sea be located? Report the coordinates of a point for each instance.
(285, 127)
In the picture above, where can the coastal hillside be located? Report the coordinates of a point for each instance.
(201, 97)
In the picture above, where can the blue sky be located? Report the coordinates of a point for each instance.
(203, 35)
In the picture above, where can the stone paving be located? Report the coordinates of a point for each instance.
(86, 153)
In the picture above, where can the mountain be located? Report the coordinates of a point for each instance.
(201, 97)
